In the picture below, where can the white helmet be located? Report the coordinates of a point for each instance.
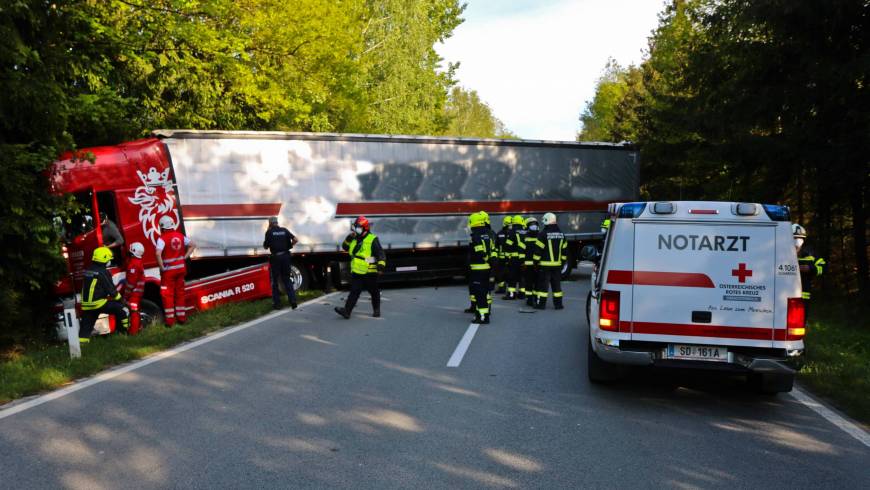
(549, 219)
(798, 231)
(137, 250)
(166, 223)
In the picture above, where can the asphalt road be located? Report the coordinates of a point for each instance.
(308, 399)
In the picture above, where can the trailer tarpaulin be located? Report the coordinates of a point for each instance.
(416, 190)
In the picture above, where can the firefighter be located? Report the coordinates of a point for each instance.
(481, 252)
(605, 225)
(551, 249)
(367, 262)
(530, 273)
(514, 250)
(279, 241)
(173, 248)
(809, 265)
(100, 296)
(488, 225)
(500, 264)
(520, 232)
(135, 284)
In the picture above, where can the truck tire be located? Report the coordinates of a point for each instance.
(150, 313)
(599, 372)
(567, 268)
(771, 384)
(299, 277)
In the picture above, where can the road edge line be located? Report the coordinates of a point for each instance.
(117, 371)
(462, 347)
(844, 424)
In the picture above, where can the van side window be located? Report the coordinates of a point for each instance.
(604, 255)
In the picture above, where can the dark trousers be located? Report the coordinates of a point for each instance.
(530, 279)
(498, 273)
(513, 275)
(549, 276)
(478, 286)
(89, 318)
(279, 270)
(358, 282)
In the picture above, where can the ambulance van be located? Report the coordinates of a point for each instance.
(697, 285)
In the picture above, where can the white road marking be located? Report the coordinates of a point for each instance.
(113, 373)
(847, 426)
(459, 353)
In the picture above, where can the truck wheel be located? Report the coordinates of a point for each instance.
(771, 384)
(567, 268)
(599, 371)
(299, 277)
(150, 313)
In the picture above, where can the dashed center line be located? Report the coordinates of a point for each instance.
(459, 353)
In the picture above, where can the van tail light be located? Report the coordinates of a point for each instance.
(796, 319)
(608, 311)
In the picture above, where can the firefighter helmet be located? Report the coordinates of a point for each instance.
(485, 216)
(518, 220)
(506, 221)
(475, 220)
(166, 223)
(798, 231)
(549, 219)
(102, 255)
(363, 223)
(137, 250)
(531, 221)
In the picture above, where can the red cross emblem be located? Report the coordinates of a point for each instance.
(741, 272)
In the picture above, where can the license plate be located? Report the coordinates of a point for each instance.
(697, 352)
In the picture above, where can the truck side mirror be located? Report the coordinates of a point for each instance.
(590, 253)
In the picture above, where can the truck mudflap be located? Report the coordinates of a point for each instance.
(242, 284)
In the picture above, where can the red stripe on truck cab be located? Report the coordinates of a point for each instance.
(653, 278)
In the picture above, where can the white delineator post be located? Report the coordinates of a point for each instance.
(71, 322)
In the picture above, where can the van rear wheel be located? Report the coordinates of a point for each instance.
(599, 372)
(150, 313)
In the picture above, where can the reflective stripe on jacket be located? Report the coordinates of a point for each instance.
(552, 246)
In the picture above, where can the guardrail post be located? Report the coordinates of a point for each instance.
(71, 322)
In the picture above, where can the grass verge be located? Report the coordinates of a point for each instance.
(837, 359)
(48, 366)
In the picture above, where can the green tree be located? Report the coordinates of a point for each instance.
(469, 116)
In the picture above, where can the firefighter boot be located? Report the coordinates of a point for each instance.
(376, 313)
(557, 303)
(542, 303)
(485, 319)
(343, 312)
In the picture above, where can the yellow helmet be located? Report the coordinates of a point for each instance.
(485, 217)
(475, 219)
(506, 221)
(102, 255)
(518, 220)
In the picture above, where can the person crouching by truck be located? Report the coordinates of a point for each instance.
(367, 262)
(100, 296)
(279, 241)
(173, 248)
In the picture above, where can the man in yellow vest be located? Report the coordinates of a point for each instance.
(367, 262)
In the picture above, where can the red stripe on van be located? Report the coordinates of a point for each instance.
(462, 207)
(717, 331)
(653, 278)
